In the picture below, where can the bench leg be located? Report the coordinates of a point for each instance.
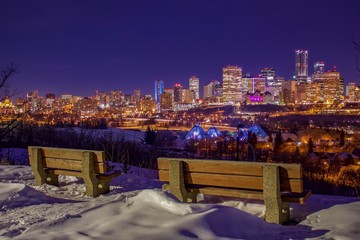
(276, 211)
(90, 179)
(177, 182)
(37, 166)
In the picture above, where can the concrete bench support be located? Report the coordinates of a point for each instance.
(41, 176)
(94, 186)
(48, 163)
(177, 182)
(276, 211)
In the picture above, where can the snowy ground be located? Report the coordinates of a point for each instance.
(136, 208)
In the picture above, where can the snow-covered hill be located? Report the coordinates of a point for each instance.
(136, 208)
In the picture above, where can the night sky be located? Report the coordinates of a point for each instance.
(79, 46)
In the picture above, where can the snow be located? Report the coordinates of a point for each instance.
(136, 208)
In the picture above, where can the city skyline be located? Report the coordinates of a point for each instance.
(77, 47)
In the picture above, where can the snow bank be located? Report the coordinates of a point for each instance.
(136, 208)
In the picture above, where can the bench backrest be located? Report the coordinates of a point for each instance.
(68, 159)
(233, 174)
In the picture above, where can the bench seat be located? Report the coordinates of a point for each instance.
(48, 163)
(277, 184)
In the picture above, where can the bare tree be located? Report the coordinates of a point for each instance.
(8, 120)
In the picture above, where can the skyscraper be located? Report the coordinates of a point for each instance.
(159, 89)
(232, 82)
(137, 96)
(269, 75)
(301, 66)
(178, 98)
(332, 86)
(194, 87)
(319, 67)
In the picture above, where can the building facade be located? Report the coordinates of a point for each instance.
(194, 88)
(232, 81)
(301, 66)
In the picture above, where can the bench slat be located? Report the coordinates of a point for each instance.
(238, 193)
(67, 153)
(108, 175)
(72, 165)
(232, 167)
(234, 181)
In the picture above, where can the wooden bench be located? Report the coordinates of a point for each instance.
(48, 163)
(277, 184)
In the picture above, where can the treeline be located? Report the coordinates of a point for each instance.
(116, 146)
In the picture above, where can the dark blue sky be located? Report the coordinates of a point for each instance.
(79, 46)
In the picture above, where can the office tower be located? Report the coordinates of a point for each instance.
(301, 93)
(33, 100)
(166, 101)
(212, 89)
(341, 88)
(208, 90)
(102, 99)
(159, 89)
(289, 91)
(178, 93)
(252, 84)
(115, 97)
(312, 92)
(147, 105)
(331, 86)
(319, 67)
(187, 96)
(353, 92)
(194, 87)
(269, 75)
(232, 76)
(301, 66)
(49, 98)
(137, 97)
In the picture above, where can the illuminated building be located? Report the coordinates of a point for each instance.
(332, 86)
(255, 98)
(312, 92)
(169, 90)
(6, 104)
(187, 96)
(166, 101)
(209, 90)
(137, 97)
(33, 100)
(103, 100)
(115, 97)
(49, 98)
(232, 76)
(178, 93)
(341, 87)
(147, 105)
(301, 93)
(66, 98)
(301, 66)
(213, 89)
(194, 87)
(353, 92)
(319, 67)
(87, 107)
(252, 84)
(159, 89)
(269, 75)
(289, 91)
